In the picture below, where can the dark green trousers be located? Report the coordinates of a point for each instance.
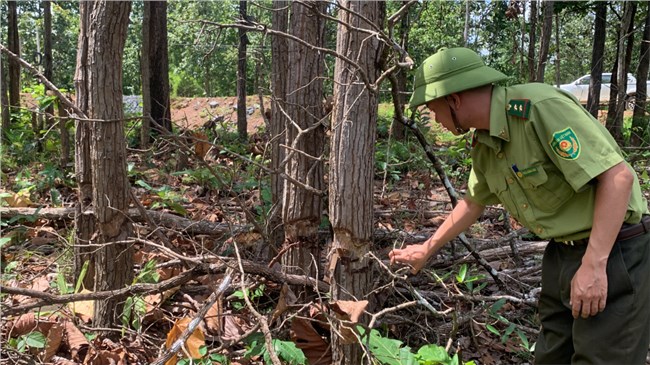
(618, 335)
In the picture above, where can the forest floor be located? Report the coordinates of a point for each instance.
(211, 219)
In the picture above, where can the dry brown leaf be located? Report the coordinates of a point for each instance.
(106, 357)
(192, 344)
(83, 309)
(350, 312)
(75, 341)
(54, 338)
(17, 200)
(234, 327)
(312, 344)
(214, 318)
(27, 323)
(283, 302)
(201, 145)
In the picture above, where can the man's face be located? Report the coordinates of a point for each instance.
(439, 111)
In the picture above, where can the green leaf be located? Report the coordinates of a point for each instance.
(288, 352)
(497, 305)
(219, 358)
(61, 284)
(82, 275)
(143, 184)
(35, 339)
(432, 354)
(177, 208)
(385, 350)
(462, 272)
(4, 241)
(492, 329)
(126, 312)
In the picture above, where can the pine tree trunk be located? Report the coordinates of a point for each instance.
(13, 44)
(155, 71)
(279, 72)
(305, 134)
(354, 123)
(532, 39)
(545, 42)
(625, 41)
(242, 123)
(100, 78)
(597, 55)
(47, 54)
(640, 118)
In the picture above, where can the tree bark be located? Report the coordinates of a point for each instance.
(397, 128)
(242, 124)
(99, 78)
(301, 209)
(47, 55)
(545, 42)
(640, 118)
(557, 50)
(65, 136)
(352, 164)
(155, 71)
(597, 55)
(4, 97)
(13, 44)
(279, 55)
(625, 41)
(532, 39)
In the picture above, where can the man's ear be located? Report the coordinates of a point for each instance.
(453, 100)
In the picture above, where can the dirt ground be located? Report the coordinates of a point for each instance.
(192, 113)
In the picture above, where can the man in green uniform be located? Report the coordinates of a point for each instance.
(559, 172)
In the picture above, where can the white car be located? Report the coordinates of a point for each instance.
(580, 89)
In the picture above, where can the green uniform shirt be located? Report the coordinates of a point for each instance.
(539, 160)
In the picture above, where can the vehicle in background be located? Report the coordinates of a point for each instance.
(580, 89)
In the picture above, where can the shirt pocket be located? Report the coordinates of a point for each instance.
(546, 191)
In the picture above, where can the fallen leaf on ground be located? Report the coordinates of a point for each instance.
(83, 309)
(312, 344)
(192, 344)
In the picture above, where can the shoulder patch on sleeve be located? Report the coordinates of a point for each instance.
(565, 144)
(519, 108)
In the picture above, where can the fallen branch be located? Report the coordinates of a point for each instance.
(176, 346)
(184, 277)
(166, 220)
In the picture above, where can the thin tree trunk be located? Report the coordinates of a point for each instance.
(397, 129)
(624, 46)
(155, 70)
(597, 55)
(279, 71)
(65, 136)
(557, 50)
(640, 116)
(101, 80)
(4, 97)
(47, 54)
(532, 39)
(242, 124)
(13, 43)
(545, 42)
(352, 165)
(84, 223)
(466, 27)
(302, 209)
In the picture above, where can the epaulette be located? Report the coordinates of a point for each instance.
(519, 108)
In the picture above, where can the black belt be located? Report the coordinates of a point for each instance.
(627, 232)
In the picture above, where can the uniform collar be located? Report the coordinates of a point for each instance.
(499, 130)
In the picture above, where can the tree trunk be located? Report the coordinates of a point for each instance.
(155, 71)
(397, 128)
(279, 72)
(625, 41)
(354, 123)
(4, 97)
(242, 124)
(13, 44)
(65, 136)
(302, 209)
(47, 54)
(557, 50)
(640, 118)
(84, 223)
(466, 27)
(597, 55)
(545, 42)
(99, 80)
(532, 39)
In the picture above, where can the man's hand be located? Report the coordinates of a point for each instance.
(415, 256)
(588, 290)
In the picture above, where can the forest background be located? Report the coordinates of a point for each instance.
(221, 181)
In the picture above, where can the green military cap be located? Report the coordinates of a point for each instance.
(448, 71)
